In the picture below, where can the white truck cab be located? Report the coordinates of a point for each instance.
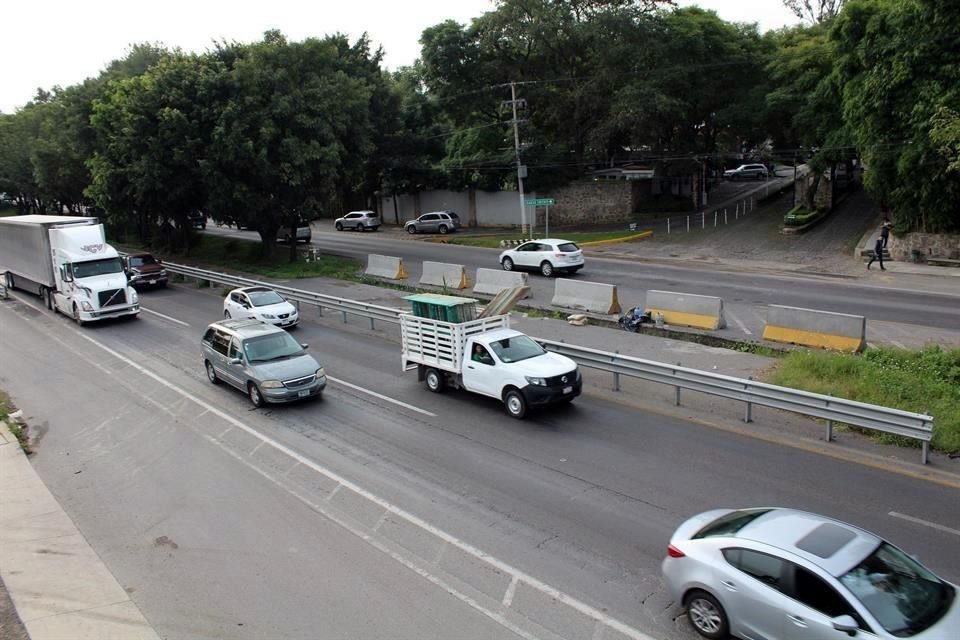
(486, 357)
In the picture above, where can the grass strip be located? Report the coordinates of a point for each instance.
(925, 381)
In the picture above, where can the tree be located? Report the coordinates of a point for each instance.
(896, 71)
(280, 143)
(815, 11)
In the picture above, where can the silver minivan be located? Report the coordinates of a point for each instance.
(262, 360)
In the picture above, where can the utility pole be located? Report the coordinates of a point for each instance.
(521, 170)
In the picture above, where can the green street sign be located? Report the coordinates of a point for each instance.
(540, 202)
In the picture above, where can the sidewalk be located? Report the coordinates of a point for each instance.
(59, 586)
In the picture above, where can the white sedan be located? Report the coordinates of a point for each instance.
(260, 303)
(549, 257)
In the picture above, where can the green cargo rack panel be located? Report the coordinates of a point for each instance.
(444, 308)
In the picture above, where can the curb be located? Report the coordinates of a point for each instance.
(59, 586)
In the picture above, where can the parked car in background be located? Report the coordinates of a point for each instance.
(358, 221)
(198, 220)
(549, 256)
(784, 574)
(747, 172)
(262, 360)
(260, 303)
(303, 233)
(143, 270)
(434, 222)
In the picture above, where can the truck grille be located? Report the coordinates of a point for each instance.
(111, 297)
(559, 381)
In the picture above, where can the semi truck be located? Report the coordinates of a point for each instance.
(487, 357)
(67, 262)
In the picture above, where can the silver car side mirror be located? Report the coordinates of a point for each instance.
(236, 361)
(304, 345)
(846, 624)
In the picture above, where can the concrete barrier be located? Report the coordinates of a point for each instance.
(493, 281)
(812, 328)
(589, 296)
(686, 309)
(385, 267)
(442, 274)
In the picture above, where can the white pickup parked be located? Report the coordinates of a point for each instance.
(67, 262)
(486, 357)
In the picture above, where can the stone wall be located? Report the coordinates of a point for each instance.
(933, 245)
(593, 201)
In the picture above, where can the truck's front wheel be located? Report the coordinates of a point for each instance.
(76, 315)
(435, 381)
(515, 403)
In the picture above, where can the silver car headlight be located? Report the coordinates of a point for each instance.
(269, 316)
(537, 382)
(320, 373)
(85, 305)
(271, 384)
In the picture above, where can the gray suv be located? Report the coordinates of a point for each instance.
(434, 222)
(747, 171)
(262, 360)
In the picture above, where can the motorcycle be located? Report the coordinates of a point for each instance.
(633, 319)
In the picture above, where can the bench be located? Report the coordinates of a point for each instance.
(943, 262)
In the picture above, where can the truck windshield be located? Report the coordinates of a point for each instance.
(516, 349)
(97, 267)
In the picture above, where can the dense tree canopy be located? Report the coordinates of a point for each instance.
(264, 133)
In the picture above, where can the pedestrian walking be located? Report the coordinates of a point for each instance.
(885, 231)
(877, 254)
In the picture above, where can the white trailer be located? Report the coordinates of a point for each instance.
(486, 357)
(67, 262)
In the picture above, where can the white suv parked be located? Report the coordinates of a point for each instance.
(358, 221)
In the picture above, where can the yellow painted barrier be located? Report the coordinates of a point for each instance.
(636, 236)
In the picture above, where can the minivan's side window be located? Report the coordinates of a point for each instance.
(208, 335)
(220, 342)
(235, 349)
(765, 568)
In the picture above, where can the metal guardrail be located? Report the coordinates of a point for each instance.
(371, 311)
(829, 408)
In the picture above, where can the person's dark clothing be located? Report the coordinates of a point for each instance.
(885, 233)
(877, 254)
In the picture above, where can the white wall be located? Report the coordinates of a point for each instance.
(493, 207)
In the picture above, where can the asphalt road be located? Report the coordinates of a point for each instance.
(907, 311)
(384, 510)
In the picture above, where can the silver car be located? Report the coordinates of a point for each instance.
(262, 360)
(434, 222)
(747, 171)
(781, 574)
(358, 221)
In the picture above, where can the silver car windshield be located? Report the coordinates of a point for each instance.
(516, 349)
(275, 346)
(264, 298)
(902, 595)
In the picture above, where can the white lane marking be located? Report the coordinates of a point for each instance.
(497, 617)
(157, 313)
(885, 338)
(465, 547)
(739, 323)
(926, 523)
(382, 397)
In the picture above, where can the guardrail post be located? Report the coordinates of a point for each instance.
(371, 324)
(748, 417)
(703, 219)
(344, 317)
(688, 224)
(925, 446)
(677, 399)
(724, 216)
(829, 434)
(668, 226)
(616, 375)
(714, 217)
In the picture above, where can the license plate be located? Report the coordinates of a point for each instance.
(303, 394)
(153, 282)
(568, 389)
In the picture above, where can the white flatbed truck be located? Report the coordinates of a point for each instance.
(485, 356)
